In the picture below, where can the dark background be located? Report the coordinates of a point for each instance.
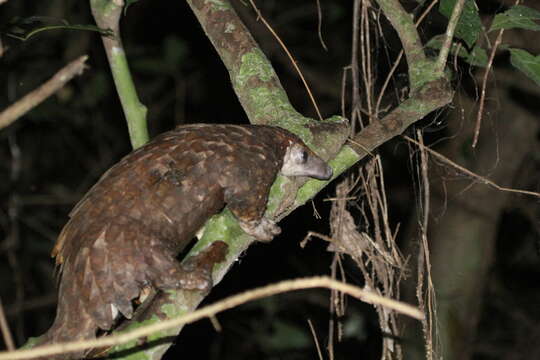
(50, 157)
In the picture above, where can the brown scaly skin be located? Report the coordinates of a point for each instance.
(125, 233)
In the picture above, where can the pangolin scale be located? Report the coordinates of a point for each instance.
(128, 229)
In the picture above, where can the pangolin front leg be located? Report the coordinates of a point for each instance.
(262, 230)
(195, 273)
(247, 202)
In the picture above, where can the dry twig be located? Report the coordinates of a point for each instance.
(289, 55)
(6, 333)
(424, 263)
(468, 172)
(315, 339)
(35, 97)
(210, 310)
(484, 84)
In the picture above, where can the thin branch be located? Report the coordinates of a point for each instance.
(398, 59)
(452, 23)
(4, 326)
(412, 45)
(355, 95)
(484, 84)
(365, 51)
(468, 172)
(386, 82)
(425, 183)
(315, 339)
(107, 16)
(211, 310)
(38, 95)
(424, 263)
(319, 25)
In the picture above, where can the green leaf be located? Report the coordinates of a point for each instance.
(469, 25)
(24, 28)
(527, 63)
(519, 16)
(476, 57)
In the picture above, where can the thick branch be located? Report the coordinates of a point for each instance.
(264, 101)
(254, 80)
(224, 227)
(430, 97)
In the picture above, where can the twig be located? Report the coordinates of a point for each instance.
(483, 92)
(424, 263)
(425, 183)
(468, 172)
(210, 310)
(452, 23)
(36, 96)
(315, 340)
(319, 25)
(367, 68)
(6, 334)
(484, 84)
(355, 97)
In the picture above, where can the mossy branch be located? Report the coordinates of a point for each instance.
(265, 102)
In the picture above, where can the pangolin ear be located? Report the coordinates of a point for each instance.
(300, 161)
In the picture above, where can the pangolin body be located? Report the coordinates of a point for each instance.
(127, 230)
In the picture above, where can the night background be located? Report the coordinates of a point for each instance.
(51, 156)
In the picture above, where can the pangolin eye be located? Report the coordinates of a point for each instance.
(303, 156)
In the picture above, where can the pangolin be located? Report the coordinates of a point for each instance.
(126, 232)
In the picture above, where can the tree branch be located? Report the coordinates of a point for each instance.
(403, 23)
(211, 310)
(450, 29)
(36, 96)
(265, 102)
(107, 16)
